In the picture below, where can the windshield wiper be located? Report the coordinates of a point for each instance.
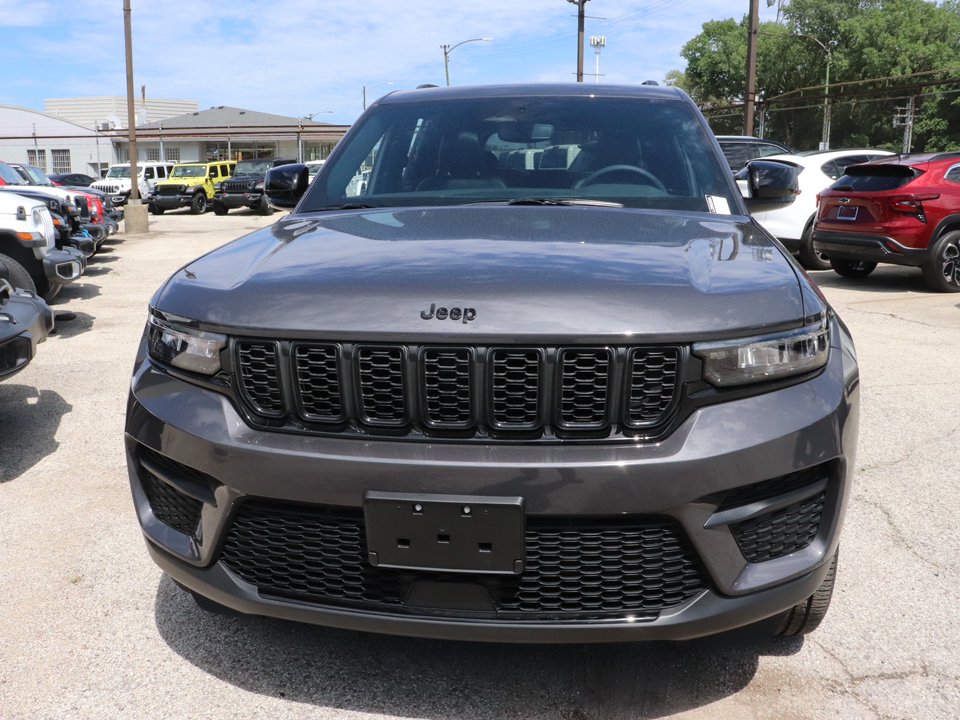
(347, 206)
(555, 201)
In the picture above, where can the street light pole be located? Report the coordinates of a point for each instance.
(448, 49)
(386, 83)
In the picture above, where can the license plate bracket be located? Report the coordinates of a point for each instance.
(448, 533)
(847, 213)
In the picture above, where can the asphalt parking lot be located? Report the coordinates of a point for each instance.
(90, 628)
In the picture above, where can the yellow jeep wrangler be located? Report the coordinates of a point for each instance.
(189, 184)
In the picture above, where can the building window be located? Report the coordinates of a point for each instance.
(124, 155)
(172, 154)
(61, 161)
(38, 158)
(153, 154)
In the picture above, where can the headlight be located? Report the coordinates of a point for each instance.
(38, 221)
(258, 186)
(767, 357)
(185, 348)
(218, 187)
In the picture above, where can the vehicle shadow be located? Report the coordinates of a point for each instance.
(29, 419)
(71, 324)
(408, 677)
(77, 290)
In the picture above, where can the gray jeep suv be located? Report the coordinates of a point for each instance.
(483, 398)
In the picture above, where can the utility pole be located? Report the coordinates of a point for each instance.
(579, 4)
(135, 214)
(904, 119)
(751, 94)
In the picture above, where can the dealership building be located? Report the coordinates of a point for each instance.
(86, 135)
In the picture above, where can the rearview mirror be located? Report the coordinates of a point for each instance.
(285, 185)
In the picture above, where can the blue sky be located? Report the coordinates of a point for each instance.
(299, 57)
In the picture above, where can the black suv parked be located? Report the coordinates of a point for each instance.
(245, 188)
(474, 398)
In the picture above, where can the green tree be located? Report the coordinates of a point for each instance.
(867, 39)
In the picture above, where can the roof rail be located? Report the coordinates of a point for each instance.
(944, 156)
(426, 85)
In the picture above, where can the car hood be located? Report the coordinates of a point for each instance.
(523, 271)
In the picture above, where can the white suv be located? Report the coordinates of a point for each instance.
(117, 182)
(792, 225)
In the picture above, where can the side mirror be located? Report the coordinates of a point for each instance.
(770, 184)
(285, 185)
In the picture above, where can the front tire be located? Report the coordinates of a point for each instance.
(219, 208)
(810, 258)
(803, 618)
(154, 210)
(942, 270)
(198, 205)
(263, 208)
(19, 277)
(855, 269)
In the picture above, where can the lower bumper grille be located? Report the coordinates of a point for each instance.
(171, 506)
(575, 570)
(780, 533)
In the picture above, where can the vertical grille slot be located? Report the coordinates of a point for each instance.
(652, 384)
(516, 388)
(260, 377)
(447, 387)
(584, 387)
(380, 374)
(318, 382)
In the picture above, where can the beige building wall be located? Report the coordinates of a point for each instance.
(93, 111)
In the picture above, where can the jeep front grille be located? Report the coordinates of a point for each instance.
(239, 186)
(459, 391)
(171, 189)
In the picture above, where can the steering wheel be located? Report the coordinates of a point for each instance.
(647, 177)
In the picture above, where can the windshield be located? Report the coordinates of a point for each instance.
(189, 171)
(252, 167)
(119, 172)
(37, 175)
(9, 175)
(638, 152)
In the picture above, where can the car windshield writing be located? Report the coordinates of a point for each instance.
(645, 153)
(119, 172)
(189, 171)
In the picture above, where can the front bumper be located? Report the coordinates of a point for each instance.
(867, 248)
(25, 321)
(171, 202)
(239, 200)
(683, 479)
(62, 267)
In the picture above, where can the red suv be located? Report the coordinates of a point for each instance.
(903, 210)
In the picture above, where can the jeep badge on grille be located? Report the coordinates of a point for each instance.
(464, 314)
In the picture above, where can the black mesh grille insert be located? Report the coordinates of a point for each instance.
(447, 388)
(584, 377)
(170, 189)
(169, 505)
(318, 382)
(781, 532)
(652, 384)
(575, 570)
(239, 186)
(516, 388)
(381, 384)
(259, 376)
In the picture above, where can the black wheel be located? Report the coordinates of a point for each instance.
(47, 290)
(263, 207)
(18, 275)
(198, 206)
(942, 270)
(810, 258)
(154, 210)
(219, 208)
(852, 268)
(803, 618)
